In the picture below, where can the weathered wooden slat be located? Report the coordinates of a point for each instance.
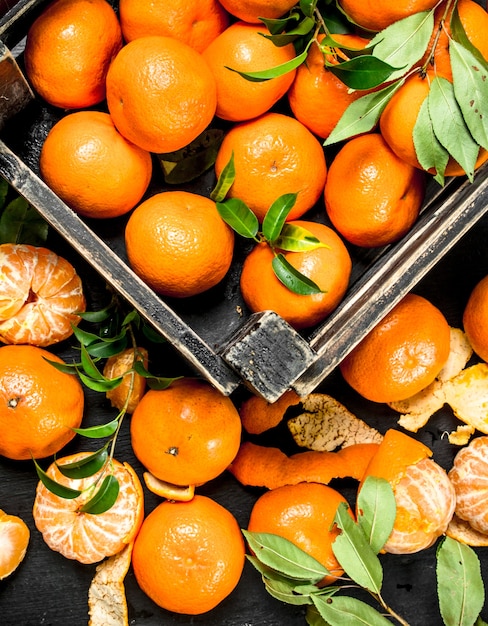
(15, 92)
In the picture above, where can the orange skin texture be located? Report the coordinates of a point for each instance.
(43, 403)
(242, 48)
(178, 244)
(317, 97)
(85, 537)
(372, 197)
(252, 10)
(475, 317)
(374, 16)
(186, 434)
(189, 556)
(160, 93)
(92, 167)
(303, 514)
(14, 538)
(69, 49)
(329, 267)
(402, 354)
(194, 23)
(258, 415)
(274, 154)
(41, 296)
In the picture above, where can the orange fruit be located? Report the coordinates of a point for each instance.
(372, 197)
(127, 395)
(303, 514)
(329, 267)
(40, 404)
(315, 84)
(92, 167)
(398, 120)
(475, 318)
(186, 434)
(242, 48)
(14, 540)
(178, 244)
(274, 154)
(252, 10)
(468, 475)
(89, 537)
(402, 354)
(194, 23)
(189, 556)
(160, 93)
(40, 296)
(68, 50)
(424, 496)
(375, 16)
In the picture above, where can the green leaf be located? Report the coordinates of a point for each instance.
(362, 72)
(307, 7)
(239, 217)
(376, 507)
(276, 216)
(449, 125)
(104, 498)
(284, 592)
(273, 72)
(470, 81)
(430, 152)
(107, 347)
(293, 280)
(341, 610)
(66, 368)
(355, 555)
(86, 466)
(404, 42)
(97, 432)
(225, 181)
(101, 315)
(84, 337)
(362, 115)
(283, 556)
(283, 38)
(88, 365)
(21, 223)
(59, 490)
(295, 238)
(151, 334)
(4, 189)
(459, 583)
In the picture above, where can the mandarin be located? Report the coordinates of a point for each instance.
(372, 197)
(14, 540)
(243, 48)
(274, 154)
(194, 23)
(329, 267)
(475, 318)
(89, 537)
(376, 15)
(178, 244)
(92, 167)
(253, 10)
(402, 354)
(127, 395)
(303, 514)
(68, 50)
(186, 434)
(41, 296)
(40, 404)
(315, 84)
(189, 556)
(160, 93)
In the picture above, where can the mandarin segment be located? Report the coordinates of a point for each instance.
(14, 541)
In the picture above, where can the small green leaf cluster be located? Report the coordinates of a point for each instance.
(19, 221)
(275, 231)
(292, 576)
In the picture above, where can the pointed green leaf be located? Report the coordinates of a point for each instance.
(282, 555)
(352, 550)
(225, 181)
(307, 7)
(273, 72)
(460, 586)
(59, 490)
(99, 385)
(108, 347)
(470, 81)
(104, 497)
(284, 592)
(278, 25)
(88, 365)
(21, 223)
(362, 72)
(86, 466)
(293, 280)
(239, 216)
(66, 368)
(276, 216)
(97, 316)
(449, 125)
(295, 238)
(341, 610)
(84, 337)
(283, 38)
(97, 432)
(362, 115)
(430, 152)
(376, 507)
